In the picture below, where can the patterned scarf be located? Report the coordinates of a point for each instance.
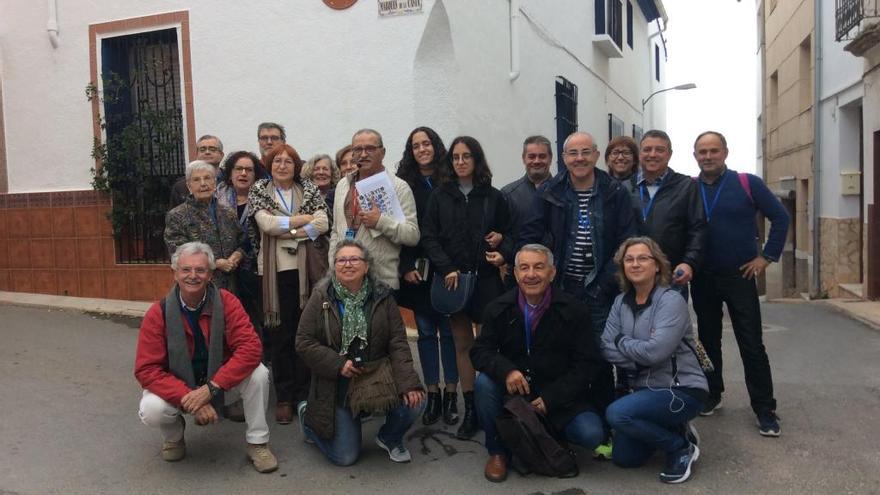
(539, 310)
(354, 321)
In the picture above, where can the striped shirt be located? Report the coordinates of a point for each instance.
(581, 262)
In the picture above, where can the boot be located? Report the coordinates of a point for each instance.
(432, 409)
(450, 407)
(469, 423)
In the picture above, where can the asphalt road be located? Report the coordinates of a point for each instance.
(69, 425)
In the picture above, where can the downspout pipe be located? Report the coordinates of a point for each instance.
(660, 31)
(514, 40)
(52, 24)
(815, 278)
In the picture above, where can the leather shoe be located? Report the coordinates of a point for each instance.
(284, 413)
(496, 468)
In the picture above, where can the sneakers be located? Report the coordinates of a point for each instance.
(690, 433)
(603, 451)
(175, 451)
(300, 414)
(712, 404)
(678, 464)
(263, 459)
(768, 424)
(398, 453)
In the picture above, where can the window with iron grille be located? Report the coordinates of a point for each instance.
(629, 23)
(144, 140)
(566, 115)
(615, 126)
(609, 20)
(848, 14)
(637, 133)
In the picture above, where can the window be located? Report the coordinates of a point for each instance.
(629, 23)
(143, 118)
(609, 27)
(805, 80)
(566, 115)
(615, 127)
(637, 133)
(657, 63)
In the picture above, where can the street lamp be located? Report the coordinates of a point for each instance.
(679, 87)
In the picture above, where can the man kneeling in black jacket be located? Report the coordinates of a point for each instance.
(538, 342)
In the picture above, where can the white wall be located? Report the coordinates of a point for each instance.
(323, 74)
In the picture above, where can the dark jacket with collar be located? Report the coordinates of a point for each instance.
(452, 236)
(416, 297)
(675, 220)
(386, 336)
(565, 356)
(554, 220)
(519, 195)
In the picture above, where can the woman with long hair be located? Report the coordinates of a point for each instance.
(420, 167)
(466, 229)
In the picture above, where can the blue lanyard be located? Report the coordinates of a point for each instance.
(708, 209)
(583, 220)
(644, 190)
(284, 202)
(528, 329)
(429, 183)
(212, 210)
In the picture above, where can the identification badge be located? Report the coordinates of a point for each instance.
(349, 234)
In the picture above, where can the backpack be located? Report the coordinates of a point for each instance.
(526, 436)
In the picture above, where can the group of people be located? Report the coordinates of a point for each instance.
(579, 300)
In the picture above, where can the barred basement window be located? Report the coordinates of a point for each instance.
(566, 115)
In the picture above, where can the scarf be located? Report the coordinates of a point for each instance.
(262, 197)
(354, 321)
(538, 312)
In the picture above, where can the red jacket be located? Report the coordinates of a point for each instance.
(241, 354)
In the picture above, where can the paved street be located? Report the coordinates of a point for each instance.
(69, 425)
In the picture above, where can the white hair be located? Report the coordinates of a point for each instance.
(197, 165)
(535, 248)
(191, 248)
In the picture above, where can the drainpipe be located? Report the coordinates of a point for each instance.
(651, 37)
(815, 279)
(514, 40)
(52, 25)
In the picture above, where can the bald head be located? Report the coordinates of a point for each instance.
(579, 134)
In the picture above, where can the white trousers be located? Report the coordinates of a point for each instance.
(254, 392)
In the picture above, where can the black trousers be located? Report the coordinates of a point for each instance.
(709, 290)
(289, 372)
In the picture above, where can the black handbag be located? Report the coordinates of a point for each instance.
(450, 301)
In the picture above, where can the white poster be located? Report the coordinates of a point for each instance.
(399, 7)
(378, 189)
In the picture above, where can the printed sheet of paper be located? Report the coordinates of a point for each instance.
(380, 190)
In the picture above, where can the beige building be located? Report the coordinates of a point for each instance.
(815, 127)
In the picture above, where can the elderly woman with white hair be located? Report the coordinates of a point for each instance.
(202, 219)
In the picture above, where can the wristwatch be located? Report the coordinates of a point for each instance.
(769, 258)
(293, 232)
(212, 389)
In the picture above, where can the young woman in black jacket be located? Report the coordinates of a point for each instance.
(466, 229)
(420, 167)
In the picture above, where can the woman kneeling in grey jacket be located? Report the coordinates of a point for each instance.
(649, 337)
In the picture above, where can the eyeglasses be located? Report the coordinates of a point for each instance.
(269, 138)
(237, 170)
(354, 260)
(577, 153)
(621, 153)
(642, 259)
(462, 157)
(212, 149)
(369, 149)
(187, 270)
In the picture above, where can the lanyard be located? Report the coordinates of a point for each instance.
(706, 207)
(583, 220)
(528, 330)
(284, 202)
(642, 192)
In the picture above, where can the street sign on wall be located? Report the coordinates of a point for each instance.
(399, 7)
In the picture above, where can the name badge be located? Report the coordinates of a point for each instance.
(349, 234)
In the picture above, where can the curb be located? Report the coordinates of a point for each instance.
(865, 312)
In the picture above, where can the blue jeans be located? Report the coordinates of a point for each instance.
(345, 446)
(649, 420)
(427, 325)
(585, 429)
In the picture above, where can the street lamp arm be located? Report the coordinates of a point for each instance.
(679, 87)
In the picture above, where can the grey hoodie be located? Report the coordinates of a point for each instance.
(647, 342)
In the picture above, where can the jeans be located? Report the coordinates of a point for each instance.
(710, 290)
(345, 446)
(254, 391)
(649, 420)
(428, 324)
(585, 429)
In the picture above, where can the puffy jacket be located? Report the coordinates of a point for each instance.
(386, 337)
(554, 216)
(565, 356)
(676, 219)
(657, 341)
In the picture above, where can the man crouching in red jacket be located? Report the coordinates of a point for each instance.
(186, 371)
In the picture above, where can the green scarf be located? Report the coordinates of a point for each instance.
(354, 321)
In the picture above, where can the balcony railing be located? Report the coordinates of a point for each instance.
(848, 14)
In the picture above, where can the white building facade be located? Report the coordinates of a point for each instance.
(499, 70)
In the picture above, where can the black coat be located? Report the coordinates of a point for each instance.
(676, 219)
(415, 296)
(565, 357)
